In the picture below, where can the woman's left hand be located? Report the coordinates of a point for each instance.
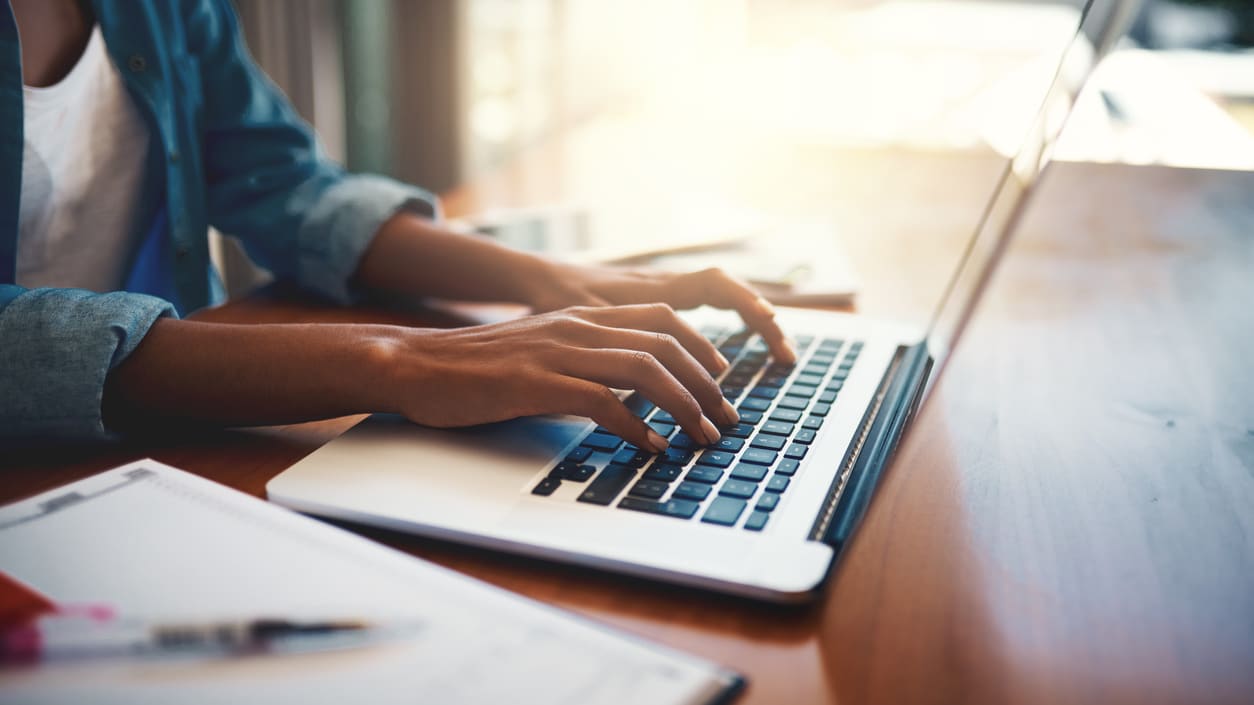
(591, 285)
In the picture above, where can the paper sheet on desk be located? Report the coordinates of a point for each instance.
(159, 543)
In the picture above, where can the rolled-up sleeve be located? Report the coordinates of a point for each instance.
(343, 220)
(297, 213)
(57, 346)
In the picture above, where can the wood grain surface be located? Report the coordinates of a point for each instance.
(1069, 521)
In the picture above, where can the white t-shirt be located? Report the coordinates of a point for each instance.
(82, 169)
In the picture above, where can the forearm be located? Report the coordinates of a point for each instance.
(239, 375)
(413, 256)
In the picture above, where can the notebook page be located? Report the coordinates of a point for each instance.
(162, 544)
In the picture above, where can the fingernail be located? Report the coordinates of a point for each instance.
(710, 430)
(723, 364)
(655, 439)
(729, 413)
(765, 307)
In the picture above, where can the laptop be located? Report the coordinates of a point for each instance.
(765, 512)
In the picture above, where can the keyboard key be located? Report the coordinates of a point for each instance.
(811, 380)
(836, 385)
(815, 370)
(805, 435)
(561, 469)
(823, 359)
(609, 483)
(791, 402)
(663, 416)
(716, 458)
(840, 374)
(831, 344)
(678, 508)
(577, 473)
(756, 521)
(821, 409)
(828, 397)
(750, 417)
(738, 488)
(786, 415)
(796, 451)
(631, 456)
(663, 472)
(579, 455)
(759, 456)
(603, 441)
(639, 405)
(764, 392)
(724, 511)
(740, 430)
(731, 393)
(755, 404)
(547, 486)
(749, 473)
(694, 491)
(701, 473)
(769, 442)
(813, 422)
(683, 441)
(767, 502)
(649, 489)
(677, 456)
(777, 483)
(802, 390)
(663, 429)
(774, 381)
(787, 467)
(778, 428)
(729, 444)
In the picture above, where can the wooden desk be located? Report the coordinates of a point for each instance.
(1072, 520)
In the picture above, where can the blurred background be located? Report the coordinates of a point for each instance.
(830, 148)
(438, 91)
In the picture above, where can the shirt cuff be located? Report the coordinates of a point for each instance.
(340, 226)
(60, 346)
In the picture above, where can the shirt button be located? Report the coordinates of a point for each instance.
(136, 63)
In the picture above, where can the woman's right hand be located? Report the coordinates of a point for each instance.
(563, 362)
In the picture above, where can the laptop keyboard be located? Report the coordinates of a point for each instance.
(739, 480)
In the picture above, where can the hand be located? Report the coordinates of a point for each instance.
(561, 362)
(581, 285)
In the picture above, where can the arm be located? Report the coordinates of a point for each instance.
(412, 255)
(567, 362)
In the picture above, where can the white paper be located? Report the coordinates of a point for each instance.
(163, 544)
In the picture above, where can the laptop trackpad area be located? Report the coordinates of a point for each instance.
(388, 465)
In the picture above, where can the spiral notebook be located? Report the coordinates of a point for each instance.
(156, 542)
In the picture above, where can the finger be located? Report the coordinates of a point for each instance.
(667, 350)
(661, 318)
(639, 370)
(596, 401)
(566, 299)
(716, 288)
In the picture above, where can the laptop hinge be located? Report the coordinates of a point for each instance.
(873, 443)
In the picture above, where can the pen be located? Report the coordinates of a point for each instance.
(61, 637)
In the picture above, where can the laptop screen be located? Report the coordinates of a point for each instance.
(1020, 176)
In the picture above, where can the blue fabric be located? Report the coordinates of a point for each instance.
(228, 151)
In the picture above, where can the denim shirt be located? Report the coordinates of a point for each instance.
(228, 151)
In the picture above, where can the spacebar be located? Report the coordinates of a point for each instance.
(608, 485)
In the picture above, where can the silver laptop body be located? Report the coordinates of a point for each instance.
(559, 489)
